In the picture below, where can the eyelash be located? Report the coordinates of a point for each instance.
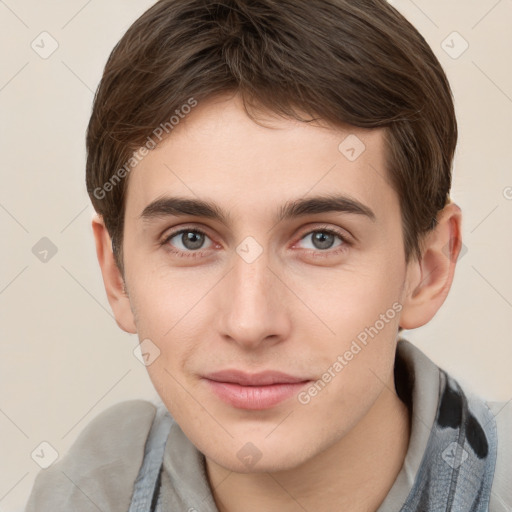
(194, 254)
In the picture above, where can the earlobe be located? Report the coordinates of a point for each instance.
(112, 278)
(429, 280)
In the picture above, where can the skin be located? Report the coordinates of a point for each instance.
(294, 309)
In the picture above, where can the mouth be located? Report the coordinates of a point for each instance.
(254, 391)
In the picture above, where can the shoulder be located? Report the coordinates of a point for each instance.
(101, 466)
(501, 496)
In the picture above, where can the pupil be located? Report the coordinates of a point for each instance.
(192, 240)
(323, 240)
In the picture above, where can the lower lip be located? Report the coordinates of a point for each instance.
(254, 397)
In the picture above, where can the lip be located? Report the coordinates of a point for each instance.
(254, 391)
(254, 379)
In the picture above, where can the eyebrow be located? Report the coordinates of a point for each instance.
(180, 206)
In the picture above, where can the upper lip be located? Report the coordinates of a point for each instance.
(254, 379)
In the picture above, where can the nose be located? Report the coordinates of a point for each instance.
(253, 305)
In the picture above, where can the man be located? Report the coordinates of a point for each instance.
(272, 186)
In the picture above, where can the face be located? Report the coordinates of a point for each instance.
(296, 266)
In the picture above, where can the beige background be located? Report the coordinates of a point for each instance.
(64, 359)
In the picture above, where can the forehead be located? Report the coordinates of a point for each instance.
(219, 153)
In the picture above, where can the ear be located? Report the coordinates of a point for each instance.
(429, 279)
(112, 278)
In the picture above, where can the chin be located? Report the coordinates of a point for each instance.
(258, 457)
(264, 465)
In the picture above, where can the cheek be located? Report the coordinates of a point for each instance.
(164, 297)
(343, 301)
(357, 312)
(356, 358)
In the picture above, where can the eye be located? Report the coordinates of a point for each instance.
(190, 242)
(187, 240)
(323, 239)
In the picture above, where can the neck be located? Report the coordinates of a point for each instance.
(355, 474)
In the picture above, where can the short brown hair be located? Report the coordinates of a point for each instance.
(359, 63)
